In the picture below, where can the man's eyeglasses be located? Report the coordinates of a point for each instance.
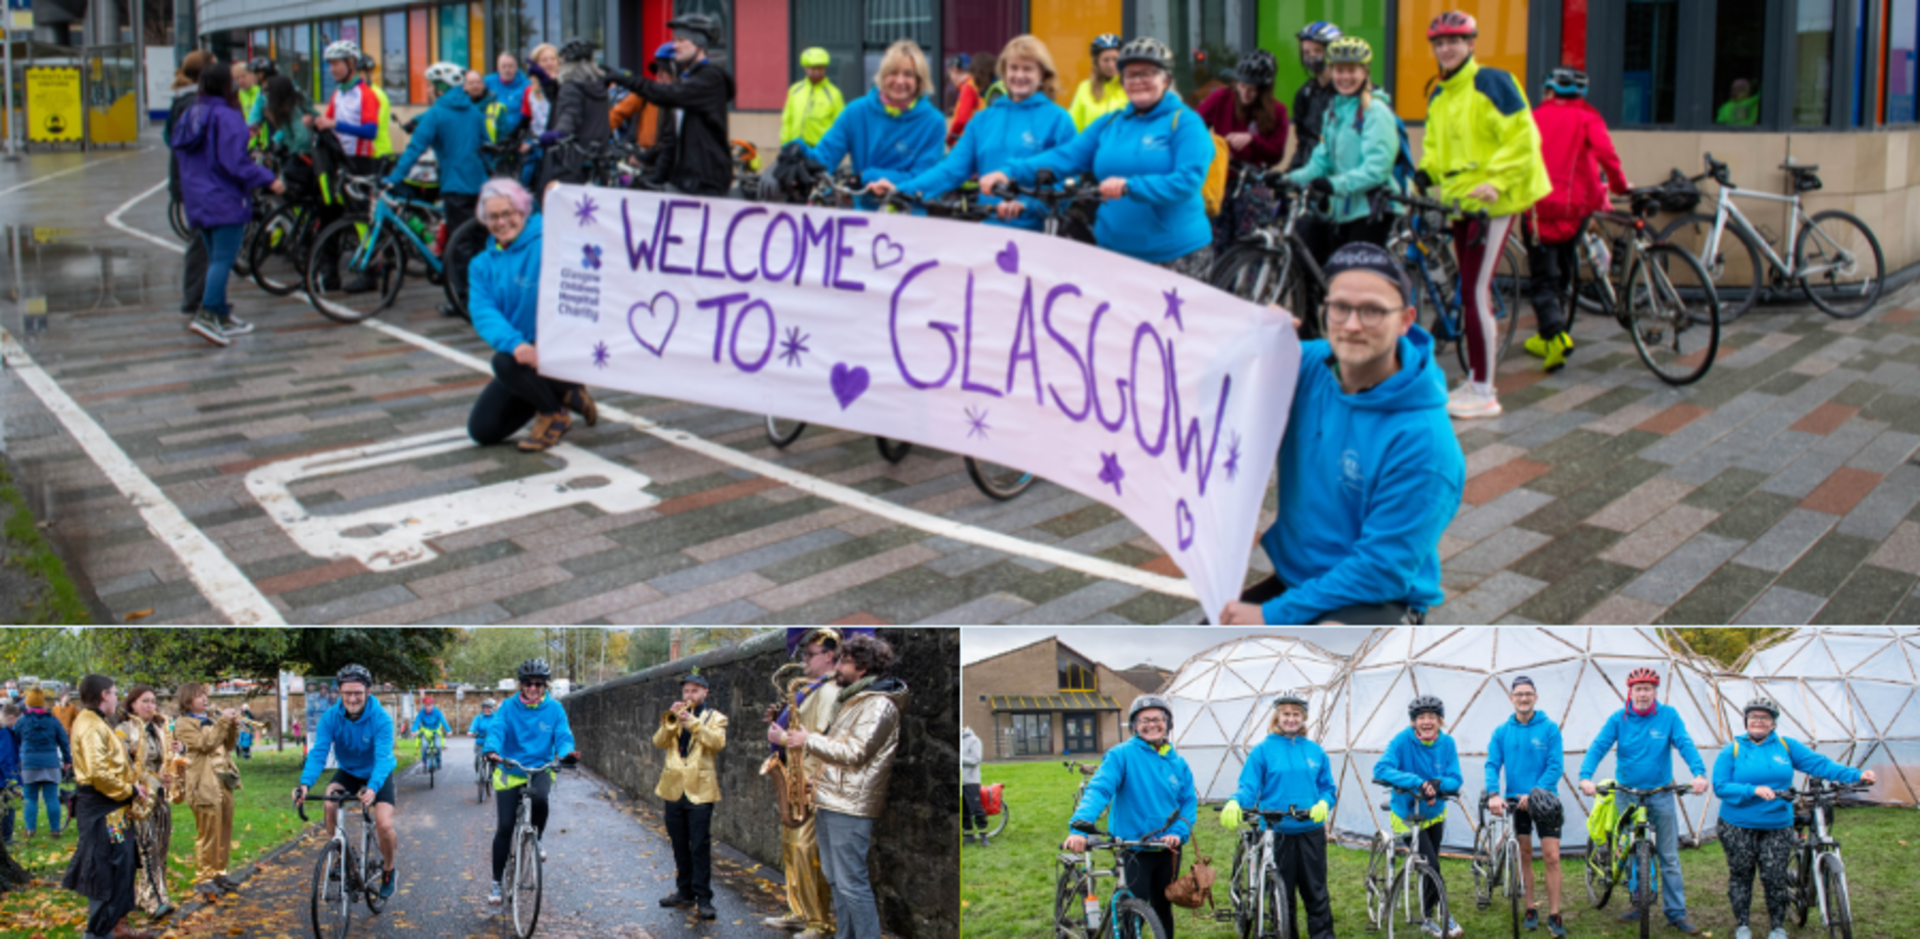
(1370, 316)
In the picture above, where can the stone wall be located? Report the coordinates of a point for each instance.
(915, 861)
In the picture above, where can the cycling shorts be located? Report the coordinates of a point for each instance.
(353, 784)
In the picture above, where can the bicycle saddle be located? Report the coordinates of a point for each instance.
(1793, 167)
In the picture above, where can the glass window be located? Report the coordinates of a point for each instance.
(259, 43)
(1075, 676)
(1214, 26)
(1740, 48)
(1032, 734)
(420, 52)
(833, 25)
(721, 52)
(453, 35)
(585, 19)
(393, 57)
(1813, 83)
(1903, 46)
(228, 45)
(889, 21)
(1647, 69)
(294, 52)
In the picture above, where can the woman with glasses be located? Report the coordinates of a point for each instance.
(1140, 785)
(531, 729)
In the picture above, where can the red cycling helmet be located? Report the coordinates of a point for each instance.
(1639, 675)
(1452, 23)
(426, 699)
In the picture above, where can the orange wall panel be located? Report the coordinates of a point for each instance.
(477, 37)
(419, 53)
(1068, 28)
(1502, 45)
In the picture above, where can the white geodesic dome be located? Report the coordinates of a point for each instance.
(1579, 673)
(1851, 693)
(1221, 698)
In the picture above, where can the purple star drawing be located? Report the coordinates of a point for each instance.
(590, 257)
(1110, 471)
(1173, 307)
(792, 347)
(977, 423)
(601, 354)
(1233, 458)
(584, 209)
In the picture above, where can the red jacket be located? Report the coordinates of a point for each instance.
(1264, 150)
(1576, 147)
(963, 111)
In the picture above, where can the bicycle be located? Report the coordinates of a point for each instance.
(1406, 887)
(354, 257)
(1816, 878)
(1831, 249)
(1259, 905)
(177, 220)
(482, 773)
(1077, 913)
(1676, 337)
(1275, 262)
(1628, 854)
(1423, 242)
(430, 755)
(522, 878)
(1086, 771)
(344, 872)
(1496, 862)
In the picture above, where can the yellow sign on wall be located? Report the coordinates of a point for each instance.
(53, 104)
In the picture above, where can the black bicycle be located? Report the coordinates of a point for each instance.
(1273, 265)
(1816, 877)
(347, 870)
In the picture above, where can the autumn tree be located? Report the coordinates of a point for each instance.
(1723, 644)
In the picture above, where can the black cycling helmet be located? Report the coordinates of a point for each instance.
(1257, 69)
(366, 63)
(1544, 809)
(1319, 31)
(1762, 703)
(357, 673)
(534, 668)
(262, 66)
(1291, 697)
(700, 23)
(576, 50)
(1103, 42)
(1425, 703)
(1147, 701)
(1148, 50)
(1567, 81)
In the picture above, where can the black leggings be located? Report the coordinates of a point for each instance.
(1767, 850)
(514, 396)
(1147, 874)
(972, 815)
(507, 802)
(1552, 266)
(1429, 842)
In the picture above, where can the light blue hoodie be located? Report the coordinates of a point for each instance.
(893, 147)
(1531, 753)
(1356, 160)
(1743, 766)
(1646, 744)
(529, 736)
(1410, 762)
(1009, 130)
(1164, 155)
(503, 290)
(1139, 786)
(1287, 772)
(1368, 482)
(363, 746)
(437, 721)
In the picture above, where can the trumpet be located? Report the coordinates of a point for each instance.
(673, 713)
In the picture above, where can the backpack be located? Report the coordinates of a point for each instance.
(1601, 819)
(1403, 165)
(1214, 190)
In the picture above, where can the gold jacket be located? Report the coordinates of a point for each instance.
(692, 775)
(149, 758)
(856, 753)
(816, 715)
(100, 759)
(210, 748)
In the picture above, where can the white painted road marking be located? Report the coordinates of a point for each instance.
(70, 171)
(219, 580)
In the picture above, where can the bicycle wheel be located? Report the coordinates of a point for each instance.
(1135, 919)
(485, 786)
(1799, 888)
(274, 253)
(1378, 856)
(1505, 292)
(893, 450)
(431, 767)
(1255, 273)
(463, 246)
(1672, 314)
(781, 432)
(1482, 865)
(1854, 269)
(1739, 275)
(350, 280)
(177, 220)
(526, 886)
(999, 822)
(1409, 911)
(1645, 891)
(1599, 875)
(330, 906)
(1275, 911)
(998, 482)
(371, 871)
(1510, 881)
(1833, 876)
(1069, 904)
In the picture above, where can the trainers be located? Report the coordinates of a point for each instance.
(387, 882)
(1777, 933)
(1473, 406)
(1532, 921)
(1535, 346)
(1453, 929)
(235, 326)
(675, 900)
(1686, 926)
(1433, 929)
(1743, 931)
(493, 899)
(1555, 352)
(703, 911)
(206, 326)
(1555, 927)
(581, 403)
(789, 922)
(546, 433)
(1460, 391)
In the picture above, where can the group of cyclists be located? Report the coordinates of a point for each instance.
(1143, 783)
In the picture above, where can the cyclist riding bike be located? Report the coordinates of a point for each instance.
(1311, 101)
(430, 724)
(1756, 824)
(1528, 748)
(477, 729)
(1482, 150)
(1289, 770)
(1140, 783)
(1576, 147)
(894, 133)
(1424, 759)
(1353, 161)
(359, 733)
(530, 729)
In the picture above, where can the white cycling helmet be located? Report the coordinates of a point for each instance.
(344, 49)
(446, 73)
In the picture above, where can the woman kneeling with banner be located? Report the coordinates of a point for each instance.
(504, 298)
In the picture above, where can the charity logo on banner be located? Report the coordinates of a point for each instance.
(1125, 382)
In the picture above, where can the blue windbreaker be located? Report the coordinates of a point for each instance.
(1009, 130)
(1531, 753)
(1164, 155)
(1138, 787)
(363, 747)
(893, 147)
(529, 736)
(436, 721)
(455, 128)
(1285, 772)
(503, 290)
(1408, 763)
(508, 93)
(1744, 765)
(1645, 760)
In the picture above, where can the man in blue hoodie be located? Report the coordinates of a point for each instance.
(1647, 733)
(1288, 770)
(531, 729)
(507, 84)
(454, 128)
(1529, 749)
(1146, 789)
(359, 732)
(430, 724)
(1370, 470)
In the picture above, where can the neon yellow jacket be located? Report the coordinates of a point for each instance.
(249, 98)
(1084, 109)
(1480, 130)
(810, 111)
(383, 137)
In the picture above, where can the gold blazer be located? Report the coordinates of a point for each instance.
(100, 759)
(692, 775)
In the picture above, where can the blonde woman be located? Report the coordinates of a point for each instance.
(103, 865)
(1289, 769)
(1101, 92)
(150, 745)
(536, 104)
(891, 134)
(210, 741)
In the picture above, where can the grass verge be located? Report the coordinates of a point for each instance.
(57, 602)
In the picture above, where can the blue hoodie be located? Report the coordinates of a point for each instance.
(1009, 130)
(9, 757)
(1285, 772)
(479, 726)
(1531, 753)
(508, 93)
(1139, 786)
(363, 747)
(1744, 765)
(455, 128)
(503, 290)
(1408, 763)
(1645, 760)
(437, 721)
(529, 736)
(1164, 155)
(884, 146)
(1368, 483)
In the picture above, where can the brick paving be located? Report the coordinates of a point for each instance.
(1782, 489)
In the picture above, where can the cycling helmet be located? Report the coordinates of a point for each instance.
(365, 64)
(1148, 50)
(426, 700)
(262, 66)
(701, 23)
(486, 704)
(446, 74)
(961, 61)
(1425, 703)
(1319, 31)
(1641, 674)
(1543, 808)
(534, 668)
(1257, 69)
(576, 50)
(344, 49)
(1350, 50)
(815, 57)
(1105, 41)
(1761, 703)
(1452, 23)
(1147, 701)
(356, 673)
(1292, 697)
(1567, 81)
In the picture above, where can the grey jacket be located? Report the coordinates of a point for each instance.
(970, 751)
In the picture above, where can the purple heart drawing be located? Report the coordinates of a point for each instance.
(1183, 524)
(662, 302)
(899, 253)
(1009, 259)
(849, 383)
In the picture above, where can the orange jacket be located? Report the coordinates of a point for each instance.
(649, 118)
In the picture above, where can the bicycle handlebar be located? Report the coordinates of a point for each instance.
(1685, 789)
(1086, 769)
(1291, 812)
(1822, 791)
(1452, 209)
(300, 806)
(1402, 790)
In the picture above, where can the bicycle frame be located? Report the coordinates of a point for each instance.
(1726, 211)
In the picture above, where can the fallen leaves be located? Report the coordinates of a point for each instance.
(138, 614)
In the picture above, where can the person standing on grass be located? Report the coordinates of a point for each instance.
(212, 778)
(1141, 784)
(44, 753)
(1528, 748)
(1424, 759)
(105, 862)
(1289, 769)
(219, 179)
(9, 763)
(144, 729)
(973, 817)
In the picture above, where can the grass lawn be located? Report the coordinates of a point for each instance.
(1007, 889)
(263, 819)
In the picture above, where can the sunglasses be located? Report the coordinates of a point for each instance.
(533, 684)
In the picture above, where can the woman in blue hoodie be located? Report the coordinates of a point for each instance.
(504, 298)
(1423, 758)
(44, 751)
(1023, 123)
(1146, 789)
(1288, 770)
(893, 133)
(217, 180)
(1151, 159)
(1756, 824)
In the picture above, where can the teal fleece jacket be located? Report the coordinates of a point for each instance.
(1287, 772)
(1646, 744)
(1408, 763)
(503, 290)
(885, 146)
(1355, 156)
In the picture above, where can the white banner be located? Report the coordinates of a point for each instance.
(1125, 382)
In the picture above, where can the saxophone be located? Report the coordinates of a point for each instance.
(793, 791)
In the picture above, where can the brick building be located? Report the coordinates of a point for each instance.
(1045, 699)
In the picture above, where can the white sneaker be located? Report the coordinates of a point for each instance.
(1460, 391)
(1432, 928)
(235, 326)
(1473, 405)
(493, 899)
(1453, 929)
(1777, 934)
(1742, 932)
(788, 922)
